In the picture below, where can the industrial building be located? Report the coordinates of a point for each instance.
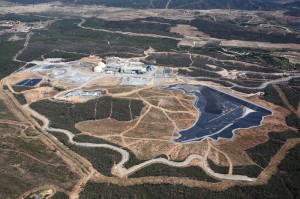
(84, 94)
(100, 67)
(134, 67)
(120, 65)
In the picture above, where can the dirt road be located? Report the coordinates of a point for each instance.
(126, 33)
(119, 168)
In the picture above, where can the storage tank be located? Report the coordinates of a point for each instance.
(102, 65)
(98, 69)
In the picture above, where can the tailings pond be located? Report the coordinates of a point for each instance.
(220, 114)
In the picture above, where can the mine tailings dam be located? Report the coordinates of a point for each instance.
(220, 114)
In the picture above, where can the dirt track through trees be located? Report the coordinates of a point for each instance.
(119, 168)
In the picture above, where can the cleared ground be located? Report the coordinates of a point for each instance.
(149, 134)
(27, 163)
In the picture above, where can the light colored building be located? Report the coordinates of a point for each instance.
(99, 68)
(134, 67)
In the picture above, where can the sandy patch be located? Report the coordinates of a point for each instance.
(187, 30)
(39, 93)
(104, 127)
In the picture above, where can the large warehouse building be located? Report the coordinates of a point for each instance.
(134, 67)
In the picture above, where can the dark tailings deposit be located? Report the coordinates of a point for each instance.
(220, 114)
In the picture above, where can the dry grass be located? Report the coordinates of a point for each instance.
(148, 149)
(154, 125)
(39, 93)
(104, 81)
(104, 127)
(27, 163)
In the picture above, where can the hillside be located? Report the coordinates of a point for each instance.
(181, 4)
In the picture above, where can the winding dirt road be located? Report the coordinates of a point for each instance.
(119, 168)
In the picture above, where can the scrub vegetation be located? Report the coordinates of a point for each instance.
(137, 26)
(23, 17)
(225, 31)
(26, 152)
(271, 95)
(133, 160)
(21, 98)
(169, 59)
(286, 179)
(198, 73)
(5, 113)
(191, 172)
(263, 153)
(19, 89)
(7, 50)
(255, 56)
(102, 159)
(60, 195)
(292, 95)
(65, 115)
(65, 35)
